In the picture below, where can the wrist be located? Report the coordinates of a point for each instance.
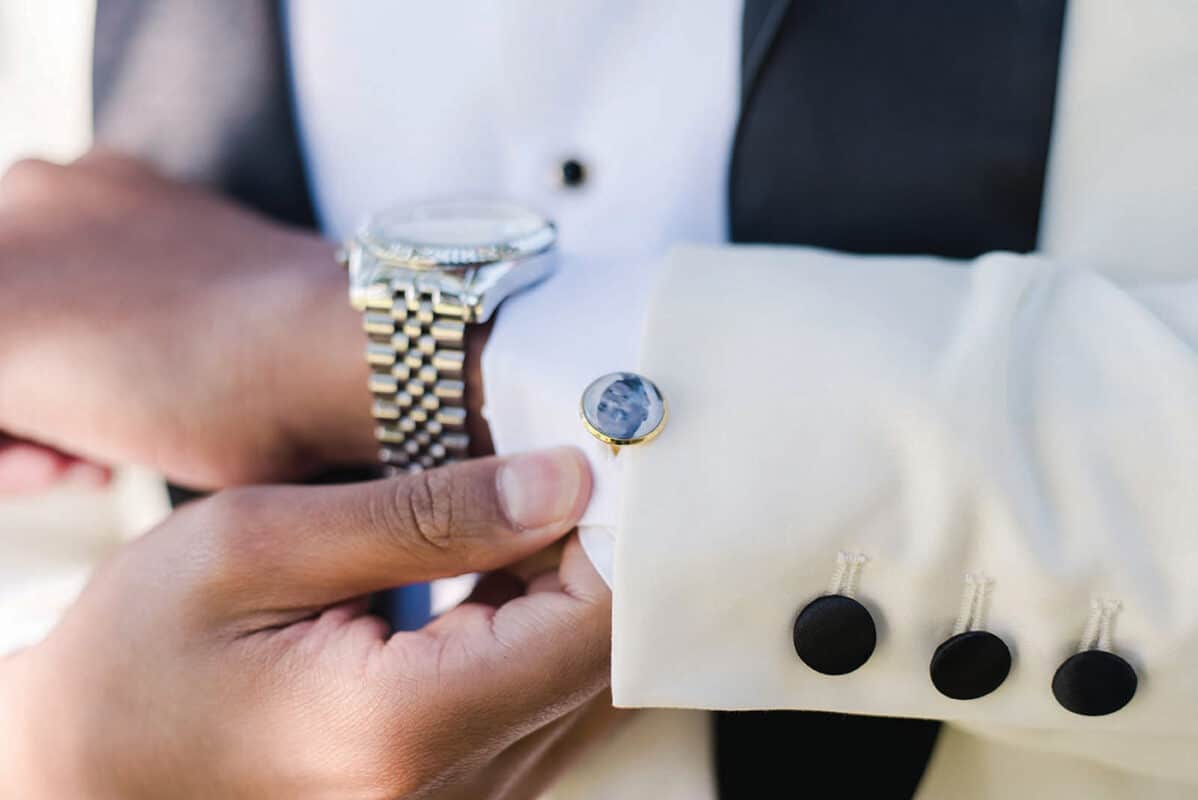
(480, 432)
(330, 423)
(318, 372)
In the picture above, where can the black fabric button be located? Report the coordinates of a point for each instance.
(573, 173)
(1094, 683)
(970, 665)
(834, 634)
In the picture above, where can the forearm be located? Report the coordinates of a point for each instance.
(317, 370)
(188, 334)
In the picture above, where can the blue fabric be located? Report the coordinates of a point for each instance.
(409, 608)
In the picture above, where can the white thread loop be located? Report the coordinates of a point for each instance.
(1097, 634)
(972, 611)
(847, 574)
(1109, 609)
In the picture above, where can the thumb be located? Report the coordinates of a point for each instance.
(304, 546)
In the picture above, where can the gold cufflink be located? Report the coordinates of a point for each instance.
(623, 408)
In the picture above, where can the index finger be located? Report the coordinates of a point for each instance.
(528, 661)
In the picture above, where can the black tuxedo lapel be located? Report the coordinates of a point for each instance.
(762, 21)
(879, 126)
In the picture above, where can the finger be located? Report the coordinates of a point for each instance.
(27, 468)
(591, 726)
(306, 546)
(87, 475)
(527, 768)
(530, 660)
(512, 772)
(538, 572)
(539, 563)
(497, 588)
(106, 161)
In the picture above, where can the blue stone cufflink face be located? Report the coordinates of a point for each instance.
(623, 408)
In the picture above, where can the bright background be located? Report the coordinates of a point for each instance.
(45, 56)
(49, 543)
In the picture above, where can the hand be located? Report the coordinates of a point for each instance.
(147, 321)
(229, 653)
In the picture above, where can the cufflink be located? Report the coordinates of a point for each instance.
(623, 408)
(835, 634)
(1095, 681)
(972, 662)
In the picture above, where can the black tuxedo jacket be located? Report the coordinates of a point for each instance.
(870, 126)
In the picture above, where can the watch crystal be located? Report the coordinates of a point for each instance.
(470, 253)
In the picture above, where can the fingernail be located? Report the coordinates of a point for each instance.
(540, 489)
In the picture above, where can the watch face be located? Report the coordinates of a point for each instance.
(456, 234)
(476, 252)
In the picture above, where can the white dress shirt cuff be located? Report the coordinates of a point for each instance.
(547, 345)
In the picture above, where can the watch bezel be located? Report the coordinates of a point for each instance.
(478, 277)
(434, 256)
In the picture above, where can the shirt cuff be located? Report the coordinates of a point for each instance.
(547, 345)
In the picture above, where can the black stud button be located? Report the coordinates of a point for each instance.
(834, 634)
(970, 665)
(573, 173)
(1094, 683)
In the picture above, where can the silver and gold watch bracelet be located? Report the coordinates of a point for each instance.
(416, 351)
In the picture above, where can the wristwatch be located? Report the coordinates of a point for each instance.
(420, 275)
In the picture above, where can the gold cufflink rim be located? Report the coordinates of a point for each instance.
(614, 442)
